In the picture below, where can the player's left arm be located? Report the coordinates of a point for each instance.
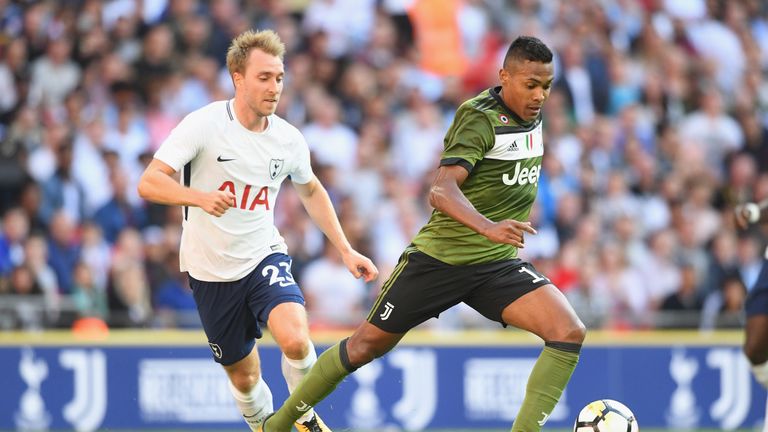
(749, 213)
(318, 204)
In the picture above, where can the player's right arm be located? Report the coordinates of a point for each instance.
(468, 139)
(446, 196)
(157, 185)
(749, 213)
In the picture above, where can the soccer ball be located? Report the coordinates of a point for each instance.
(605, 415)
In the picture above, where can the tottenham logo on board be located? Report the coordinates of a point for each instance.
(275, 166)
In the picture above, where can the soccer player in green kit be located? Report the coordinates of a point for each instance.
(467, 252)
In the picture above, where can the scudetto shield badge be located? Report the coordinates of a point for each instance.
(275, 166)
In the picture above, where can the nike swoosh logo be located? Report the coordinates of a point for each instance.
(303, 407)
(220, 159)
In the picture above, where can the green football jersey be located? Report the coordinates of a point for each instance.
(503, 155)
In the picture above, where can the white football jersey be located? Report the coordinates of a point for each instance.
(213, 150)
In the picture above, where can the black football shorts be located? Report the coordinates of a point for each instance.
(422, 287)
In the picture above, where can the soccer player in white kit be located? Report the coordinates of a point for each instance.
(233, 155)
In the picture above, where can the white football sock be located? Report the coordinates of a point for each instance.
(765, 421)
(294, 371)
(761, 373)
(254, 405)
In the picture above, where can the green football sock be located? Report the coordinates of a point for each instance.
(330, 369)
(549, 377)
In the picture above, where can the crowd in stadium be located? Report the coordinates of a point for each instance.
(656, 127)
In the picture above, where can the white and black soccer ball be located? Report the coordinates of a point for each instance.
(605, 415)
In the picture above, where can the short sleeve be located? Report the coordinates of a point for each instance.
(183, 143)
(468, 139)
(302, 172)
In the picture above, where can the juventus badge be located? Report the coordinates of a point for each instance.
(387, 311)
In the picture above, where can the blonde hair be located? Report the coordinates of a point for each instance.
(265, 40)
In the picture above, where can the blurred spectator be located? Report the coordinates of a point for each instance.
(661, 272)
(126, 134)
(698, 207)
(174, 305)
(89, 299)
(616, 199)
(725, 308)
(742, 175)
(347, 23)
(395, 222)
(89, 166)
(118, 213)
(579, 84)
(27, 301)
(722, 261)
(331, 142)
(61, 191)
(617, 291)
(749, 259)
(54, 74)
(95, 253)
(417, 139)
(15, 229)
(712, 129)
(686, 298)
(63, 249)
(157, 57)
(36, 259)
(438, 36)
(8, 93)
(335, 299)
(129, 297)
(717, 44)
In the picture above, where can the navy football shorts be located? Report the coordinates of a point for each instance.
(232, 313)
(757, 300)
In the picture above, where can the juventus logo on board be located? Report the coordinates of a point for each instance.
(88, 407)
(732, 407)
(275, 166)
(387, 311)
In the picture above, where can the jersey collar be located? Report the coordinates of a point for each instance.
(495, 93)
(233, 118)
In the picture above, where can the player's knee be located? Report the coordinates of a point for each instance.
(295, 348)
(362, 351)
(756, 353)
(575, 332)
(244, 381)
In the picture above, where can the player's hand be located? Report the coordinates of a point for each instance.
(216, 203)
(360, 266)
(509, 231)
(746, 214)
